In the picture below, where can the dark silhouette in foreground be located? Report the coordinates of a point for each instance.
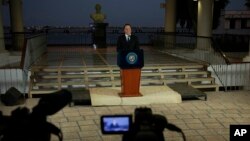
(146, 126)
(33, 126)
(149, 127)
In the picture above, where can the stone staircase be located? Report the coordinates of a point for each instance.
(45, 80)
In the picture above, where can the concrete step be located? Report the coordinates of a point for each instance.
(43, 91)
(194, 75)
(118, 75)
(206, 86)
(175, 73)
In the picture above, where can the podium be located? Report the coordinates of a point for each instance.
(130, 63)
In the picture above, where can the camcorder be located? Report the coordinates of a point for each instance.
(24, 125)
(146, 126)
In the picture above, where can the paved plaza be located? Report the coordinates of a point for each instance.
(200, 120)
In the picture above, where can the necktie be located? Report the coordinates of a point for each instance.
(128, 38)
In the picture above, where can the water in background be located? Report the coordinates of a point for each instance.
(82, 36)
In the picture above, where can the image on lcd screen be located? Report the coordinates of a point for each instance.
(116, 124)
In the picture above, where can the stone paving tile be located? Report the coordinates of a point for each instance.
(87, 113)
(195, 138)
(201, 115)
(215, 111)
(196, 126)
(188, 106)
(202, 106)
(222, 131)
(68, 124)
(58, 114)
(69, 110)
(189, 132)
(204, 132)
(183, 126)
(92, 133)
(129, 109)
(104, 112)
(174, 106)
(70, 129)
(97, 122)
(170, 112)
(232, 111)
(233, 115)
(171, 134)
(214, 138)
(58, 119)
(242, 106)
(226, 136)
(89, 127)
(112, 138)
(92, 117)
(193, 120)
(230, 120)
(217, 106)
(173, 139)
(70, 135)
(168, 116)
(244, 111)
(213, 125)
(92, 139)
(70, 140)
(208, 120)
(245, 115)
(84, 109)
(101, 108)
(176, 121)
(184, 116)
(72, 114)
(227, 124)
(200, 111)
(242, 120)
(184, 111)
(216, 115)
(86, 122)
(75, 118)
(116, 110)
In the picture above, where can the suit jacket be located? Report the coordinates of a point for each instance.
(123, 44)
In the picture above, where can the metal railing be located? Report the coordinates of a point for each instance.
(228, 75)
(85, 38)
(14, 69)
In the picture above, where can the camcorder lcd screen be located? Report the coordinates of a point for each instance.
(116, 124)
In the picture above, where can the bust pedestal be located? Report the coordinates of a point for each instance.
(99, 34)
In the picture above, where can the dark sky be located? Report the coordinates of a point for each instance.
(76, 12)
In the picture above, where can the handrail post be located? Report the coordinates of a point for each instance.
(247, 58)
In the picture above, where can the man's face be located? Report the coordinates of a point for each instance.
(127, 30)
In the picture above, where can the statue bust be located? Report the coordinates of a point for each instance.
(98, 16)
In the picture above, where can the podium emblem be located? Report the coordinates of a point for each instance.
(131, 58)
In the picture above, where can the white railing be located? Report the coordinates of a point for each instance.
(230, 76)
(18, 76)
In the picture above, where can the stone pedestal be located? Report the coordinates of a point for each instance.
(99, 34)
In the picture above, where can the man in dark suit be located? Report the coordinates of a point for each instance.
(128, 40)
